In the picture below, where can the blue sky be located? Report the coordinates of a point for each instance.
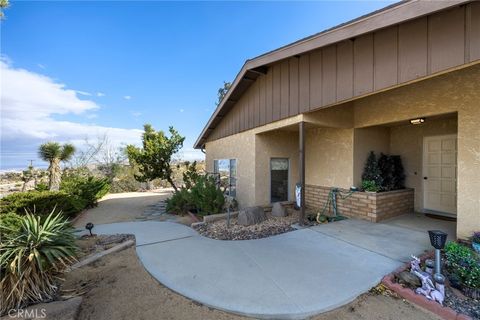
(77, 69)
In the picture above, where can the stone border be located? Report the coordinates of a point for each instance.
(408, 294)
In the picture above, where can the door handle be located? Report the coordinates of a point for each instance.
(425, 178)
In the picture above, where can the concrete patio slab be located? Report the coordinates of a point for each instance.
(289, 276)
(388, 240)
(146, 232)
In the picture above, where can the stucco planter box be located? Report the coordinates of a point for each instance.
(369, 206)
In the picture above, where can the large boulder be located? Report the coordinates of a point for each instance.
(251, 215)
(278, 210)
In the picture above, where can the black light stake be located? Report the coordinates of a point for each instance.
(437, 240)
(89, 226)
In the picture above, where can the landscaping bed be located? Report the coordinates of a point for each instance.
(270, 227)
(458, 265)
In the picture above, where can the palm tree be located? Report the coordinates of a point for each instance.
(53, 152)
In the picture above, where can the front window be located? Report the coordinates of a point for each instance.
(226, 171)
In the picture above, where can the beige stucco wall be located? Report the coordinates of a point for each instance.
(376, 139)
(330, 151)
(253, 162)
(329, 157)
(458, 91)
(276, 144)
(407, 141)
(241, 147)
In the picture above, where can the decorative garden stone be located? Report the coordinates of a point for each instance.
(409, 279)
(278, 210)
(251, 215)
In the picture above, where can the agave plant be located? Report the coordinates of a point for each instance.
(32, 257)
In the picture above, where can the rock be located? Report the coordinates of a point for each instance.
(278, 210)
(409, 279)
(251, 215)
(58, 310)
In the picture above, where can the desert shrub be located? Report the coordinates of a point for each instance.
(124, 180)
(41, 187)
(180, 202)
(206, 196)
(191, 175)
(11, 222)
(86, 189)
(31, 257)
(463, 263)
(41, 202)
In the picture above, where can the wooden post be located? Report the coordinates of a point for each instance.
(301, 167)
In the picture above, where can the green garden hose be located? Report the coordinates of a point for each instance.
(332, 199)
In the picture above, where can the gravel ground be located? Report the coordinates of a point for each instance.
(458, 302)
(272, 226)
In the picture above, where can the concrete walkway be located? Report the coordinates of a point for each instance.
(288, 276)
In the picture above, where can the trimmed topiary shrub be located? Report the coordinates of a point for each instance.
(41, 202)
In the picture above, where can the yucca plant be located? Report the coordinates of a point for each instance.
(54, 153)
(32, 257)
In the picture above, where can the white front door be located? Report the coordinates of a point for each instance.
(440, 174)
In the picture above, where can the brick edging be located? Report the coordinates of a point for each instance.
(420, 300)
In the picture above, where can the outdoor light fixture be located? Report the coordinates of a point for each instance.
(437, 240)
(89, 227)
(417, 121)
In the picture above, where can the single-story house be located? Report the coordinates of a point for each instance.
(404, 80)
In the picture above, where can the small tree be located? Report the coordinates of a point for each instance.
(222, 92)
(155, 157)
(371, 172)
(54, 153)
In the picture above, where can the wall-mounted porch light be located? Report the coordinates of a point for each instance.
(417, 121)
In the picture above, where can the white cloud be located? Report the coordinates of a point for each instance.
(181, 110)
(127, 97)
(41, 66)
(100, 94)
(29, 104)
(83, 93)
(136, 114)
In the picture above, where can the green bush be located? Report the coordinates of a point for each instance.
(10, 222)
(31, 256)
(41, 187)
(86, 189)
(206, 196)
(180, 202)
(370, 185)
(463, 263)
(41, 202)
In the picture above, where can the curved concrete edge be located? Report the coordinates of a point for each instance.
(191, 265)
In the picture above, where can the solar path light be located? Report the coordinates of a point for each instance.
(438, 239)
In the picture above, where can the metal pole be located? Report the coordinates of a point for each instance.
(438, 277)
(301, 166)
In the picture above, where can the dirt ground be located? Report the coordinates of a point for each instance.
(118, 287)
(119, 207)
